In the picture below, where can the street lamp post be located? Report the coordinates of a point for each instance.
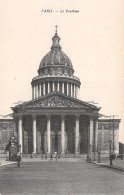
(99, 153)
(110, 153)
(113, 135)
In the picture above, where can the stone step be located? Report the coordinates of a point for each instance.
(83, 156)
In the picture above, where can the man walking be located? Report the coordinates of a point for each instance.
(18, 159)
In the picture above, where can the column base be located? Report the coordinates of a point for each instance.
(34, 154)
(77, 154)
(48, 154)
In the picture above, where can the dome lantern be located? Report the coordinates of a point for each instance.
(56, 39)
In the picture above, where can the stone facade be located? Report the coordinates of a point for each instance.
(105, 135)
(108, 133)
(6, 132)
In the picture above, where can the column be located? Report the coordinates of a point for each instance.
(67, 89)
(102, 141)
(15, 126)
(34, 134)
(43, 88)
(74, 92)
(57, 86)
(78, 92)
(39, 90)
(62, 87)
(48, 134)
(96, 135)
(62, 134)
(32, 92)
(38, 141)
(35, 91)
(20, 134)
(116, 141)
(91, 135)
(77, 134)
(71, 90)
(48, 87)
(53, 86)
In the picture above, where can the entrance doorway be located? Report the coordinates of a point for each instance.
(56, 142)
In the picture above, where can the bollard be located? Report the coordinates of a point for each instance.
(99, 157)
(112, 156)
(111, 164)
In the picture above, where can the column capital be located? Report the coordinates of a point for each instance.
(15, 117)
(34, 116)
(48, 116)
(91, 118)
(20, 116)
(77, 116)
(62, 116)
(96, 119)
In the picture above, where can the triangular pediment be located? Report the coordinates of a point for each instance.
(54, 100)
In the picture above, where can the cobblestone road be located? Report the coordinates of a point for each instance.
(60, 177)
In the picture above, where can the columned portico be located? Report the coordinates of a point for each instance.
(61, 131)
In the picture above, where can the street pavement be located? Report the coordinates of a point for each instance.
(69, 176)
(3, 162)
(117, 162)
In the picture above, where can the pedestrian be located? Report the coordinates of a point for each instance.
(56, 157)
(18, 159)
(88, 157)
(45, 156)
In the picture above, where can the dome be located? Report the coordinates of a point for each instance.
(56, 57)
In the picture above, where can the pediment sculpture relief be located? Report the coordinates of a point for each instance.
(54, 102)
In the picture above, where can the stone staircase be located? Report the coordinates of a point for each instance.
(63, 156)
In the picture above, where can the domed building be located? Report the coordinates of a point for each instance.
(55, 120)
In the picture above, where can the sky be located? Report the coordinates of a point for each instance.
(93, 38)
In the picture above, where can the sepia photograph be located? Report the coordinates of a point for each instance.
(61, 103)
